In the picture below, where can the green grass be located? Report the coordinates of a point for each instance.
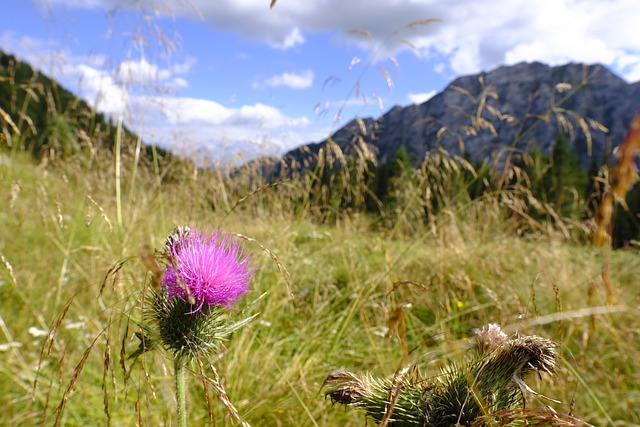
(60, 237)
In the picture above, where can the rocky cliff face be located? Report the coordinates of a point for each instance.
(510, 107)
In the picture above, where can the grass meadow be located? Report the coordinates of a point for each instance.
(77, 244)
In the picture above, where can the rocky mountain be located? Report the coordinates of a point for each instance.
(515, 106)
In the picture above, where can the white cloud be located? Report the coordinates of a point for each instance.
(211, 133)
(419, 98)
(146, 75)
(266, 116)
(179, 83)
(470, 37)
(555, 32)
(632, 72)
(292, 39)
(186, 111)
(99, 88)
(208, 145)
(80, 4)
(139, 72)
(301, 80)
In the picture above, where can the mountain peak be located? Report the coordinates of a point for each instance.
(516, 106)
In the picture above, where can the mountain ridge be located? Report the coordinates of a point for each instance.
(508, 108)
(40, 116)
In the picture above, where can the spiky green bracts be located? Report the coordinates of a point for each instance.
(490, 379)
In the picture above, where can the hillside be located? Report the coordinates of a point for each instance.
(40, 116)
(519, 106)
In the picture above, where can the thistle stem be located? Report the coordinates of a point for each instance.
(180, 368)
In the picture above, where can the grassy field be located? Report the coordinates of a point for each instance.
(75, 250)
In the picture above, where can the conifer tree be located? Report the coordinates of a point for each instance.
(569, 180)
(388, 176)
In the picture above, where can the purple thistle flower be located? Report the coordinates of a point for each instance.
(211, 269)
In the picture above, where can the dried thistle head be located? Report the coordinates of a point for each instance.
(505, 368)
(489, 379)
(488, 338)
(344, 387)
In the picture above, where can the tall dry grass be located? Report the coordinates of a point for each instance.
(347, 282)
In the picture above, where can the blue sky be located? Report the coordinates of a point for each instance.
(227, 80)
